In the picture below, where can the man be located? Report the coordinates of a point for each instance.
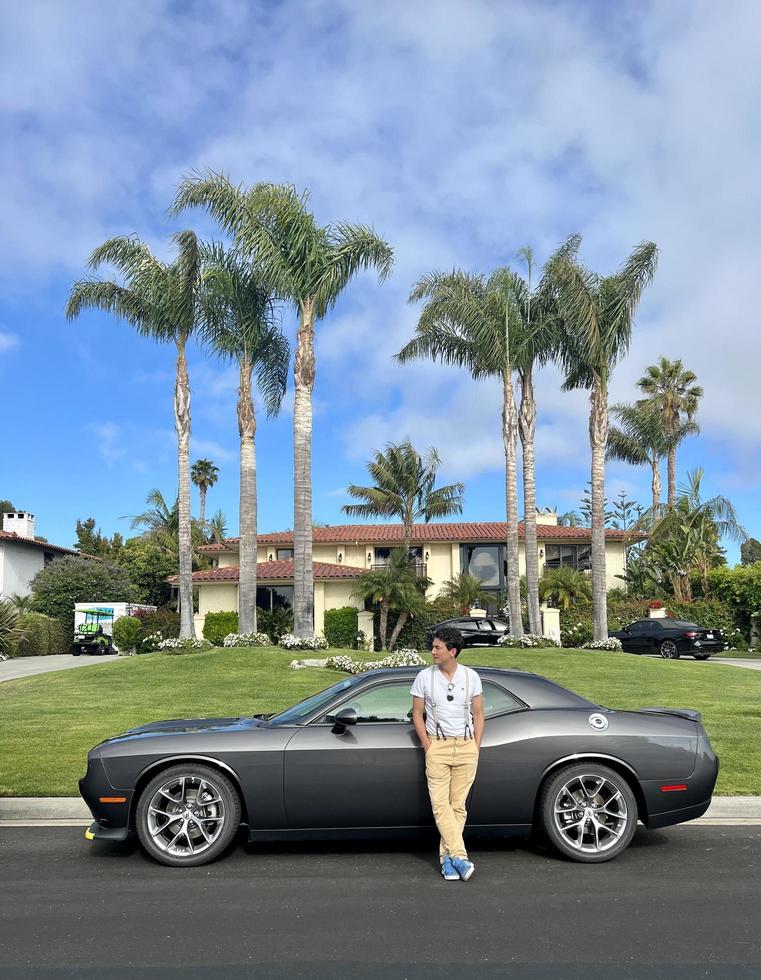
(451, 696)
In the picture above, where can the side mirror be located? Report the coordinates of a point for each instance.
(346, 716)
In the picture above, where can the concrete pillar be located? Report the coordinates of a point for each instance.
(551, 623)
(365, 623)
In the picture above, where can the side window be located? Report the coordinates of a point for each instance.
(635, 629)
(499, 626)
(485, 626)
(386, 702)
(497, 700)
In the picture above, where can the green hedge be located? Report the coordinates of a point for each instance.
(217, 625)
(128, 632)
(341, 627)
(43, 636)
(413, 632)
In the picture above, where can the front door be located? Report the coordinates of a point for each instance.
(372, 775)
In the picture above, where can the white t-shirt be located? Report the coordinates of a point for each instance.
(449, 714)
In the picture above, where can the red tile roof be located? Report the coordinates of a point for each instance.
(275, 571)
(12, 536)
(381, 533)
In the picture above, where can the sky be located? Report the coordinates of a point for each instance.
(461, 131)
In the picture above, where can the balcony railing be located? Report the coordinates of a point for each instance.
(580, 564)
(420, 567)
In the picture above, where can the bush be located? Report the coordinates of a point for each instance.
(704, 612)
(178, 647)
(217, 625)
(291, 642)
(163, 624)
(128, 633)
(413, 633)
(247, 640)
(341, 627)
(40, 636)
(610, 644)
(575, 633)
(275, 623)
(527, 641)
(401, 658)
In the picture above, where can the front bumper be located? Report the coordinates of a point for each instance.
(110, 807)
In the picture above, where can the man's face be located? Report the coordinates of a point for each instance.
(442, 656)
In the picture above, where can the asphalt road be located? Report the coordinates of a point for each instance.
(680, 903)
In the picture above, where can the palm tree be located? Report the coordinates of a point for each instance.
(309, 266)
(672, 391)
(161, 523)
(10, 631)
(404, 488)
(21, 603)
(238, 325)
(216, 528)
(159, 301)
(565, 588)
(598, 315)
(467, 321)
(390, 587)
(571, 518)
(639, 439)
(204, 474)
(464, 591)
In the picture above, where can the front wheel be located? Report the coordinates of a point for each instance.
(187, 815)
(669, 650)
(588, 812)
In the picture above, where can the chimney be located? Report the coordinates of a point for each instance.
(21, 522)
(547, 516)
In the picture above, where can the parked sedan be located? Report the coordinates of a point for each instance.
(347, 763)
(670, 638)
(477, 631)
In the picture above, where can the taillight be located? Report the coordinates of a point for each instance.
(691, 635)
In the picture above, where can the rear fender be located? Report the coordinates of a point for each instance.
(612, 762)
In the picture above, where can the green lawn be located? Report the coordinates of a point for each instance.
(48, 723)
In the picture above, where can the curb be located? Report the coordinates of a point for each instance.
(53, 811)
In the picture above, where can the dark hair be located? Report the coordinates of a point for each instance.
(449, 635)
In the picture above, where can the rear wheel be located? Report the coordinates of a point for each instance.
(588, 812)
(702, 656)
(669, 650)
(187, 815)
(75, 653)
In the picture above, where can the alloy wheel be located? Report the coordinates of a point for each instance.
(186, 816)
(590, 813)
(669, 650)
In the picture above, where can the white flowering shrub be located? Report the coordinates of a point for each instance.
(612, 643)
(405, 657)
(526, 642)
(151, 642)
(291, 642)
(734, 639)
(175, 645)
(247, 640)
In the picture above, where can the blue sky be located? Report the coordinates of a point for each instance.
(461, 131)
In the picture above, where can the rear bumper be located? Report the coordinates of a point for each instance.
(704, 646)
(672, 801)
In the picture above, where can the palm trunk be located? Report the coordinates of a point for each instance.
(202, 516)
(303, 379)
(383, 624)
(527, 428)
(247, 541)
(671, 498)
(398, 626)
(656, 486)
(598, 438)
(510, 439)
(182, 424)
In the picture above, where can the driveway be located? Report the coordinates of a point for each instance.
(11, 670)
(749, 664)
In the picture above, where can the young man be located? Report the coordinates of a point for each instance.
(452, 698)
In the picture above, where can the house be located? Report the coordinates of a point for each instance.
(343, 552)
(21, 555)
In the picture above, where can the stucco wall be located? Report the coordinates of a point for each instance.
(19, 564)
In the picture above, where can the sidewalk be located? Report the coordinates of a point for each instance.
(11, 670)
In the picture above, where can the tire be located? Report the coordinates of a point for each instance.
(577, 832)
(701, 656)
(184, 844)
(669, 650)
(76, 653)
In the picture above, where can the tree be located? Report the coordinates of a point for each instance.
(467, 321)
(625, 513)
(586, 508)
(565, 588)
(464, 591)
(569, 519)
(392, 587)
(309, 266)
(65, 581)
(6, 507)
(92, 542)
(10, 631)
(148, 565)
(404, 487)
(750, 551)
(21, 603)
(216, 528)
(159, 301)
(597, 317)
(161, 525)
(238, 325)
(204, 474)
(672, 392)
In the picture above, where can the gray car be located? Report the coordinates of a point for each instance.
(346, 763)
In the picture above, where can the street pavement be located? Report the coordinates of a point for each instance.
(11, 670)
(679, 903)
(748, 664)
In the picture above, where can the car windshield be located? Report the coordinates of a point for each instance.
(297, 713)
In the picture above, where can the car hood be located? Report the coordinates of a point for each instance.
(180, 726)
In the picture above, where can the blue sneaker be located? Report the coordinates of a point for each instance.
(448, 869)
(463, 867)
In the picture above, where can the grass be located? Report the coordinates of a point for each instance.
(49, 722)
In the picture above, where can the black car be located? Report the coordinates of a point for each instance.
(670, 638)
(347, 763)
(477, 631)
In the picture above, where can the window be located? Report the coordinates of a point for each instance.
(499, 626)
(639, 627)
(269, 597)
(497, 700)
(571, 555)
(483, 560)
(484, 625)
(284, 553)
(384, 703)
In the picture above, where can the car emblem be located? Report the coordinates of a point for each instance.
(598, 722)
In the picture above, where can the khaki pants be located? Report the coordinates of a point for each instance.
(450, 768)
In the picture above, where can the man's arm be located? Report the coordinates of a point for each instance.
(477, 707)
(418, 706)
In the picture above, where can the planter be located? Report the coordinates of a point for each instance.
(657, 613)
(476, 611)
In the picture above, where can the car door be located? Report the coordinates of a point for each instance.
(370, 776)
(635, 641)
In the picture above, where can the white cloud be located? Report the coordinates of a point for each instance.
(8, 341)
(109, 438)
